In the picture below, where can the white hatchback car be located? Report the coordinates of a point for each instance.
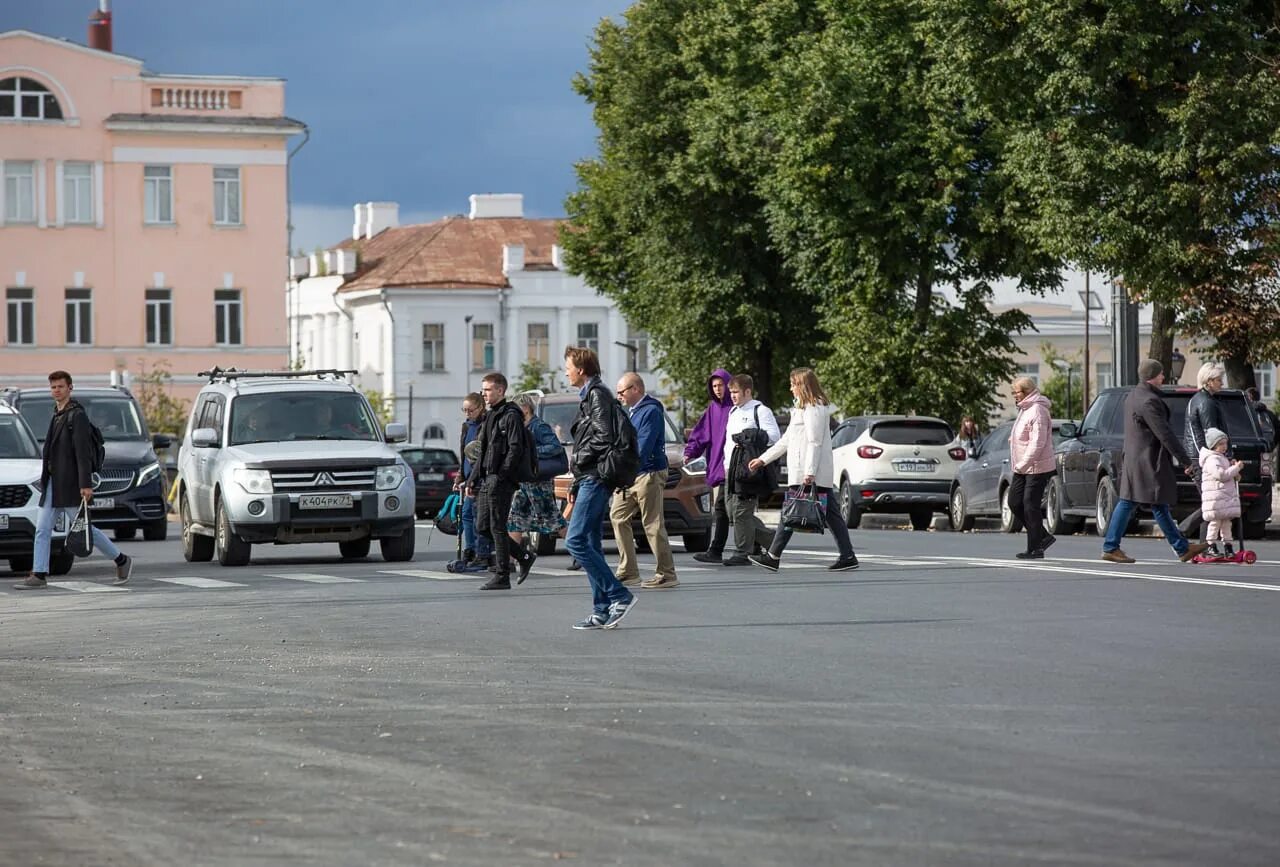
(20, 498)
(895, 464)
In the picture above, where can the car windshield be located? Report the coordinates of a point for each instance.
(116, 417)
(289, 416)
(16, 441)
(912, 432)
(429, 457)
(561, 417)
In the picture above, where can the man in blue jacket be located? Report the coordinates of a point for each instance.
(644, 498)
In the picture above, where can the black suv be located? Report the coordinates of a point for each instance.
(1090, 458)
(129, 495)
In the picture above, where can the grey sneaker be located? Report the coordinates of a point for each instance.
(593, 621)
(124, 570)
(31, 582)
(619, 610)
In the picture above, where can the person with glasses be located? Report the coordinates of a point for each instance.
(644, 498)
(477, 553)
(1031, 458)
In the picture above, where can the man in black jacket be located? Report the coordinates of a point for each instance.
(65, 481)
(495, 478)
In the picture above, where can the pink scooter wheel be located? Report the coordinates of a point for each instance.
(1250, 557)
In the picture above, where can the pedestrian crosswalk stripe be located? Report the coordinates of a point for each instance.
(313, 578)
(201, 583)
(87, 587)
(427, 573)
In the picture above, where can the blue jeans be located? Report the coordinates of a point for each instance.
(586, 526)
(471, 540)
(44, 535)
(1164, 518)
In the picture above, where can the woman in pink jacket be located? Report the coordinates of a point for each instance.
(1031, 454)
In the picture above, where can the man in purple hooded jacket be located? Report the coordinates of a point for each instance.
(707, 440)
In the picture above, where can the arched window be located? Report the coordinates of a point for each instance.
(27, 99)
(434, 431)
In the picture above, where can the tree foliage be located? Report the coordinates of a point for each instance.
(533, 376)
(152, 388)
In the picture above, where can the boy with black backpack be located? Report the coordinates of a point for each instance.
(73, 454)
(605, 458)
(749, 432)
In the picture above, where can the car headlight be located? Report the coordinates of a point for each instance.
(697, 465)
(253, 481)
(390, 477)
(147, 473)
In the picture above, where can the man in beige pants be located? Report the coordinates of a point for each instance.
(644, 498)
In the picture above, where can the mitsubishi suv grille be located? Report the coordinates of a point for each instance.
(322, 481)
(14, 496)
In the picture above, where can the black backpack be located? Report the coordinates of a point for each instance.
(621, 464)
(527, 469)
(98, 455)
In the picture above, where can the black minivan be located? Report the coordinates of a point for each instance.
(129, 495)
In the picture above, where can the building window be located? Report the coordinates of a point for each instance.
(20, 310)
(159, 317)
(79, 306)
(589, 335)
(482, 353)
(639, 338)
(432, 346)
(1265, 374)
(1031, 371)
(539, 343)
(27, 99)
(226, 197)
(19, 191)
(77, 193)
(1104, 377)
(157, 184)
(434, 431)
(226, 316)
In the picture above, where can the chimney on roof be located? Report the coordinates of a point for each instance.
(512, 258)
(379, 216)
(490, 205)
(357, 227)
(100, 26)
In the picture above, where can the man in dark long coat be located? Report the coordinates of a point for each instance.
(1149, 476)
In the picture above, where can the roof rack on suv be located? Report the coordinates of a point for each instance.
(231, 373)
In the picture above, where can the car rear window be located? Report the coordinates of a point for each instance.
(429, 457)
(912, 432)
(1240, 423)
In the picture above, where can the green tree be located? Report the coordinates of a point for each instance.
(153, 389)
(1056, 386)
(533, 375)
(384, 406)
(1143, 138)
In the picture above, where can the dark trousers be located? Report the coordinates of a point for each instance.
(719, 520)
(835, 522)
(1026, 502)
(493, 506)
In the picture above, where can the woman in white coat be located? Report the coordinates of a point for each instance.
(807, 445)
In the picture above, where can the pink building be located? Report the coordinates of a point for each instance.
(144, 216)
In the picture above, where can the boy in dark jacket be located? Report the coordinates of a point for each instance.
(65, 481)
(495, 479)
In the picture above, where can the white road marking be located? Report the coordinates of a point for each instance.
(313, 578)
(430, 573)
(87, 587)
(1042, 566)
(201, 583)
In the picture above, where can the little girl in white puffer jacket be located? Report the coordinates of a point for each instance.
(1219, 491)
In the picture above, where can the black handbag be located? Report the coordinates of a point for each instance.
(80, 535)
(804, 510)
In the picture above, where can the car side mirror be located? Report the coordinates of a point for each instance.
(1068, 431)
(204, 438)
(160, 442)
(396, 432)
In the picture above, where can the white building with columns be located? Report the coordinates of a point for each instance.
(422, 312)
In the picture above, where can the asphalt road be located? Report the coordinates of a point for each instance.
(945, 704)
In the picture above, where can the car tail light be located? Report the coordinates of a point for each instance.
(870, 452)
(452, 475)
(1267, 466)
(1250, 495)
(866, 495)
(957, 454)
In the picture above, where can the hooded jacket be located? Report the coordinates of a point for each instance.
(1031, 440)
(707, 439)
(1219, 489)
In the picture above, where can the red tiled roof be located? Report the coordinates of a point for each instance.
(453, 252)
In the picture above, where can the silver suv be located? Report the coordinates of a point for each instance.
(289, 457)
(20, 498)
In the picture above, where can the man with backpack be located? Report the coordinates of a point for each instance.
(644, 497)
(504, 460)
(750, 430)
(605, 459)
(73, 452)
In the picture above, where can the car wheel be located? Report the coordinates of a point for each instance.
(398, 549)
(1104, 504)
(156, 531)
(848, 508)
(921, 519)
(1008, 523)
(1055, 522)
(124, 534)
(231, 549)
(1253, 529)
(958, 514)
(355, 549)
(20, 564)
(195, 548)
(696, 543)
(60, 563)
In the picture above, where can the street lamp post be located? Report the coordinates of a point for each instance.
(1065, 367)
(633, 349)
(1177, 364)
(467, 367)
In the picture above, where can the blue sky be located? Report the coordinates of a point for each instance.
(422, 102)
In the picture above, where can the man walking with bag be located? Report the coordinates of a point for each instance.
(66, 483)
(751, 430)
(496, 477)
(644, 497)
